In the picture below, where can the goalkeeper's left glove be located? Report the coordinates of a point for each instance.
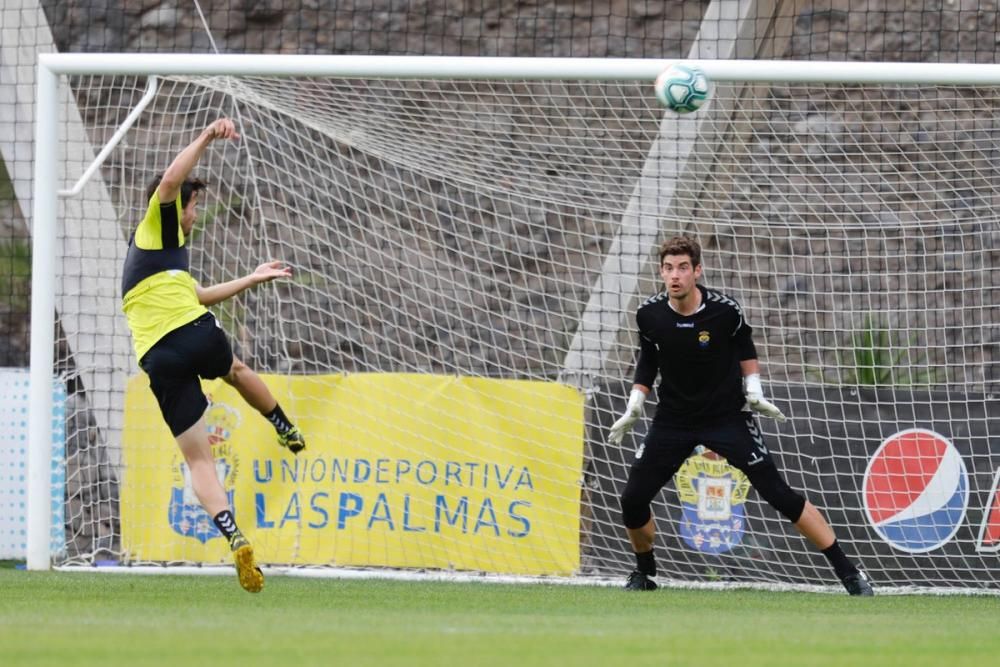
(756, 400)
(632, 413)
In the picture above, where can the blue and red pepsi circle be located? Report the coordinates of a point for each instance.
(916, 490)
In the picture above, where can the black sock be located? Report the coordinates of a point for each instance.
(226, 524)
(279, 420)
(838, 559)
(646, 563)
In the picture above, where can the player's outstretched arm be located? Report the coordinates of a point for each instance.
(266, 272)
(755, 392)
(177, 172)
(636, 399)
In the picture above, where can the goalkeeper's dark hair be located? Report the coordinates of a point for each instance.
(681, 245)
(188, 188)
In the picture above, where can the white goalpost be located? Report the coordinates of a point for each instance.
(470, 239)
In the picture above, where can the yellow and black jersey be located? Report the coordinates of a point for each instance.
(158, 293)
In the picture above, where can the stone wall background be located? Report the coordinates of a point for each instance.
(937, 257)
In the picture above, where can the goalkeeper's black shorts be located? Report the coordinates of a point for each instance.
(737, 438)
(667, 446)
(199, 349)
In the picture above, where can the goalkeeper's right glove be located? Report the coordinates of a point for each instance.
(632, 413)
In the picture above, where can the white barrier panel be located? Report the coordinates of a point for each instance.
(14, 401)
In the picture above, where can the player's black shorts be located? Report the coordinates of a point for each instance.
(174, 364)
(737, 438)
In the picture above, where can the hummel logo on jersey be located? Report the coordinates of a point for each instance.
(685, 325)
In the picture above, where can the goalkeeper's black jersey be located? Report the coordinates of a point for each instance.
(697, 356)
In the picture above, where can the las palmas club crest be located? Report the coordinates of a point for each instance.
(185, 513)
(713, 496)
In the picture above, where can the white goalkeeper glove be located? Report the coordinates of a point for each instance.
(632, 413)
(756, 400)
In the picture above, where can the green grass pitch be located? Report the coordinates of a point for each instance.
(66, 619)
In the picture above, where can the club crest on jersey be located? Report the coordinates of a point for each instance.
(916, 490)
(185, 513)
(704, 338)
(713, 496)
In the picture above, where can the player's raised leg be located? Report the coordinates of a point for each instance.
(258, 396)
(197, 451)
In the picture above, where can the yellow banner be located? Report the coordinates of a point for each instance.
(400, 470)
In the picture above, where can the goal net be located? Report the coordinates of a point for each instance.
(459, 332)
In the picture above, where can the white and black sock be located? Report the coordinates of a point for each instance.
(226, 524)
(279, 420)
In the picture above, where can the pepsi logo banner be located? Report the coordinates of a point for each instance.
(989, 529)
(916, 490)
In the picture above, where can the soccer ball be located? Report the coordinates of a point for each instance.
(681, 88)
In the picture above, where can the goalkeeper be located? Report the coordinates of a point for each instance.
(177, 341)
(698, 341)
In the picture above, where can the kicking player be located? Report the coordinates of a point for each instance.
(699, 342)
(177, 341)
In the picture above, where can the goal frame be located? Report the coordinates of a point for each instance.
(46, 188)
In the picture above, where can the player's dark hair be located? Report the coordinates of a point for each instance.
(681, 245)
(188, 188)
